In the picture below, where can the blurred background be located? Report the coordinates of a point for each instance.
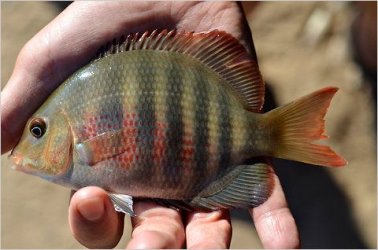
(301, 47)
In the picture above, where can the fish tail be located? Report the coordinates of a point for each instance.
(294, 127)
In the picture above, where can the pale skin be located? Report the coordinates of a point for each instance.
(69, 42)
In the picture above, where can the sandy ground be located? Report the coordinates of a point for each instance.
(333, 207)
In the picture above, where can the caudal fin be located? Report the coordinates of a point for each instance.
(298, 124)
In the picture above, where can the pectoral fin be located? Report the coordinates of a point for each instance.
(249, 188)
(101, 147)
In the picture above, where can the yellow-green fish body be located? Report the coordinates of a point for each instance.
(173, 117)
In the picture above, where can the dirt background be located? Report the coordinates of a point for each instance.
(301, 47)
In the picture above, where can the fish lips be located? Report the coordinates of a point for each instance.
(21, 164)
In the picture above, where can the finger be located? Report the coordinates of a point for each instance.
(156, 227)
(274, 222)
(208, 230)
(93, 220)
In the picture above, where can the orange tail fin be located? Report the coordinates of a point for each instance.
(298, 124)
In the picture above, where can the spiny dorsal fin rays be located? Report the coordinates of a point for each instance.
(216, 49)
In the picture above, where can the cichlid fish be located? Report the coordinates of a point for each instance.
(174, 117)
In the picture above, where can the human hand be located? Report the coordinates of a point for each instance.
(69, 42)
(95, 224)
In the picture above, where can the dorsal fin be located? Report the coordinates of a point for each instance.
(217, 49)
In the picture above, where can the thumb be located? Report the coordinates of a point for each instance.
(93, 220)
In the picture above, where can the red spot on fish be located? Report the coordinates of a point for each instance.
(130, 132)
(89, 128)
(187, 152)
(159, 148)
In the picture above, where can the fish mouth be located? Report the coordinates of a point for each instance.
(19, 163)
(17, 160)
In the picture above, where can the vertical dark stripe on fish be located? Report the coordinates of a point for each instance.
(201, 117)
(110, 114)
(175, 131)
(145, 113)
(224, 123)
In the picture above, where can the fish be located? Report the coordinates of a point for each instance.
(175, 117)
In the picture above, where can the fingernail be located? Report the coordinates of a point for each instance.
(203, 215)
(92, 209)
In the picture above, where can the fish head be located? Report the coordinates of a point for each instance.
(45, 147)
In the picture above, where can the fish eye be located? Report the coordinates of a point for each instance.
(37, 128)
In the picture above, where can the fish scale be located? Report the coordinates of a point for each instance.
(172, 117)
(145, 115)
(174, 134)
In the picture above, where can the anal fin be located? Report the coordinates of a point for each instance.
(250, 188)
